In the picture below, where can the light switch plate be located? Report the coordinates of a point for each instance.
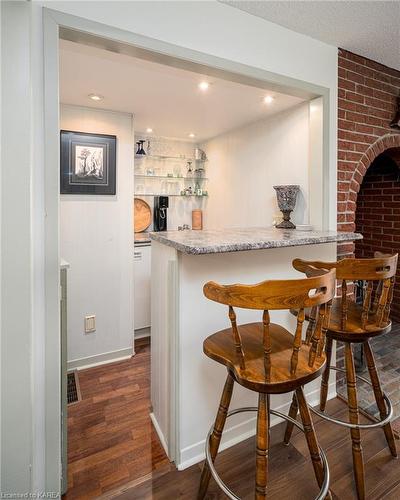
(90, 323)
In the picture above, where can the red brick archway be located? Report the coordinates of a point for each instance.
(384, 143)
(367, 100)
(347, 215)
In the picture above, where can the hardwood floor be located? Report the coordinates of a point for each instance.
(290, 468)
(111, 440)
(114, 451)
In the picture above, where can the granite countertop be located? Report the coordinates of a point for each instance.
(236, 240)
(142, 238)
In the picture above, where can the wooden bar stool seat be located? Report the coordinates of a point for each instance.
(266, 358)
(354, 330)
(221, 348)
(352, 322)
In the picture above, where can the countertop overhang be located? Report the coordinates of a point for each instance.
(238, 240)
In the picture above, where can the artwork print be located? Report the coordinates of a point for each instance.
(88, 163)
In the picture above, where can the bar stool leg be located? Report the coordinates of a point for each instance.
(294, 408)
(215, 438)
(358, 461)
(380, 402)
(325, 375)
(262, 446)
(310, 437)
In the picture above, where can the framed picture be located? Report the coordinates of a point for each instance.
(88, 163)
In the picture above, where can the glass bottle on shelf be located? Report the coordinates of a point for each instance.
(189, 168)
(199, 171)
(138, 148)
(197, 189)
(148, 147)
(141, 150)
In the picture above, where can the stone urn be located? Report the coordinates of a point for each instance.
(286, 196)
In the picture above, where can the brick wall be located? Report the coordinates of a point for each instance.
(366, 105)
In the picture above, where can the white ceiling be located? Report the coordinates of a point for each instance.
(164, 98)
(368, 28)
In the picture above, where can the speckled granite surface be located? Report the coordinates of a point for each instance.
(235, 240)
(142, 238)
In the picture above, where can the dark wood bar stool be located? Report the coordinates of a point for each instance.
(265, 357)
(352, 322)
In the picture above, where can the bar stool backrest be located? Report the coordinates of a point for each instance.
(378, 273)
(315, 291)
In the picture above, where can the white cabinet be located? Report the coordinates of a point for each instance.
(142, 274)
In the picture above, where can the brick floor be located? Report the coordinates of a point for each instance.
(386, 349)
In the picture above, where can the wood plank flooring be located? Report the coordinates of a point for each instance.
(290, 468)
(111, 440)
(114, 451)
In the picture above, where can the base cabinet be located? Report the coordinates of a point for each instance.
(142, 286)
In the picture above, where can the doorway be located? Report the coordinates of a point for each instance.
(242, 74)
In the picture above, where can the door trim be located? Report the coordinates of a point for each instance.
(78, 29)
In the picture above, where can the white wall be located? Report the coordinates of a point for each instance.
(210, 28)
(245, 163)
(97, 241)
(214, 28)
(16, 250)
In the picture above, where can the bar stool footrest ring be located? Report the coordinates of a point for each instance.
(325, 485)
(343, 423)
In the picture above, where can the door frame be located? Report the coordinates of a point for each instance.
(57, 24)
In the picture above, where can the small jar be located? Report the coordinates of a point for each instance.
(197, 219)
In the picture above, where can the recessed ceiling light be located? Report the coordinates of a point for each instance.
(204, 86)
(96, 97)
(268, 99)
(191, 135)
(149, 130)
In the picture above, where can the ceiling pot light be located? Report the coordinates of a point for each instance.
(204, 86)
(96, 97)
(149, 130)
(191, 135)
(268, 99)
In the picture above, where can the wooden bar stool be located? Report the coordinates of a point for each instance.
(350, 323)
(265, 357)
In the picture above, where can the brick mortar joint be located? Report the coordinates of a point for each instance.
(386, 70)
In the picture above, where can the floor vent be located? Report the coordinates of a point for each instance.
(73, 391)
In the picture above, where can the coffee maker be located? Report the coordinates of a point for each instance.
(160, 213)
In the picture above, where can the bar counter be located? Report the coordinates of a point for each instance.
(235, 240)
(185, 384)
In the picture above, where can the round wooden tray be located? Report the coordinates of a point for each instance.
(142, 215)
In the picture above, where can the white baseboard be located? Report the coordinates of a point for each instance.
(142, 333)
(195, 453)
(159, 433)
(100, 359)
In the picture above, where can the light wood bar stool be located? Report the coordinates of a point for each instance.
(266, 358)
(350, 323)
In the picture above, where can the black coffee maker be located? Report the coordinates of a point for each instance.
(160, 213)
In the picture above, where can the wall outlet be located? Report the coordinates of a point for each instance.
(90, 323)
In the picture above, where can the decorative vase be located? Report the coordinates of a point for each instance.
(286, 196)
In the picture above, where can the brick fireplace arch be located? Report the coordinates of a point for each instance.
(387, 142)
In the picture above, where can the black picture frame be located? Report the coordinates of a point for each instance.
(87, 163)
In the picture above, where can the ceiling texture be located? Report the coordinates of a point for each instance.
(165, 98)
(368, 28)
